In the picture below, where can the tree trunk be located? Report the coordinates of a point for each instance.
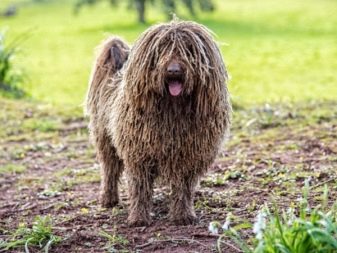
(140, 5)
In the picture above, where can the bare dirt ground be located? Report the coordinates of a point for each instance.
(47, 167)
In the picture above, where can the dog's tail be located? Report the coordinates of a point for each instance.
(112, 54)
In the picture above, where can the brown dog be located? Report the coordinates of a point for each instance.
(160, 109)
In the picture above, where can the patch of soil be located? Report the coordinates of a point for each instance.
(61, 179)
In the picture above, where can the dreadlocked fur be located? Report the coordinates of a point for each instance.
(138, 126)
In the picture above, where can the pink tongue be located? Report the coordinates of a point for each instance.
(175, 88)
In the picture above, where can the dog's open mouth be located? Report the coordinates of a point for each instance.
(175, 87)
(174, 78)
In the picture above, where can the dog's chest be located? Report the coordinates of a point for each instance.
(167, 134)
(163, 135)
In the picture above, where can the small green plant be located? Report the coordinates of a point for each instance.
(11, 78)
(114, 241)
(41, 235)
(12, 168)
(297, 230)
(41, 125)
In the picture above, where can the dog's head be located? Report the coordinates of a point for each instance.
(176, 59)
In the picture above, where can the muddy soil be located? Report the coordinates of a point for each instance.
(48, 167)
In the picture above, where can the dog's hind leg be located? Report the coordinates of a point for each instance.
(181, 206)
(112, 55)
(111, 169)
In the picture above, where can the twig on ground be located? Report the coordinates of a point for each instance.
(217, 236)
(205, 235)
(170, 240)
(74, 127)
(27, 206)
(323, 183)
(231, 246)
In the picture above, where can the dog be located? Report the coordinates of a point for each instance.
(160, 109)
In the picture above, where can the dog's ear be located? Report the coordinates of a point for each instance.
(118, 56)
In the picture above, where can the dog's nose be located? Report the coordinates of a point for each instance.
(174, 68)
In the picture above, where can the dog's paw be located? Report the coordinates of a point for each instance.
(184, 219)
(108, 201)
(139, 221)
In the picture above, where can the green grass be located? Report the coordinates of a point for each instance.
(40, 125)
(11, 168)
(41, 235)
(10, 76)
(275, 50)
(114, 241)
(299, 229)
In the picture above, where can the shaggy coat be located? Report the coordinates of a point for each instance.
(161, 110)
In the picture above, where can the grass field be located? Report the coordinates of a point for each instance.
(282, 52)
(275, 50)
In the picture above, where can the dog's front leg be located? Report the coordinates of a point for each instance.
(140, 198)
(181, 206)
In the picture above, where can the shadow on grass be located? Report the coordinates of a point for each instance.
(225, 27)
(247, 29)
(120, 27)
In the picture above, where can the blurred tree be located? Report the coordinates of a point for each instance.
(169, 6)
